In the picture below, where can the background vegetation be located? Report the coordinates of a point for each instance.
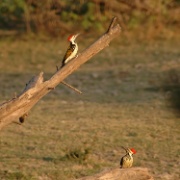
(57, 17)
(131, 90)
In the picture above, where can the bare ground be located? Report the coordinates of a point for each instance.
(130, 98)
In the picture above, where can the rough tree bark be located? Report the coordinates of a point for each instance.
(37, 87)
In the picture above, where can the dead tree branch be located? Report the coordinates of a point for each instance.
(71, 87)
(37, 87)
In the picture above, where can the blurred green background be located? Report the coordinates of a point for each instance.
(54, 18)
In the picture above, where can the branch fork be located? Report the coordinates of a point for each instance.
(37, 88)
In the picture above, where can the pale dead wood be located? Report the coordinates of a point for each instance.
(71, 87)
(68, 85)
(112, 24)
(37, 87)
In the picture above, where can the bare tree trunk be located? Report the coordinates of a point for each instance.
(37, 87)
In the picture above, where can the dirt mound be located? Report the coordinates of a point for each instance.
(122, 174)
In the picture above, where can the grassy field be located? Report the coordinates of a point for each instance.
(131, 95)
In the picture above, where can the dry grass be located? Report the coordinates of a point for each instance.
(124, 102)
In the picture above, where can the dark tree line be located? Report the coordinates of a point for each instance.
(55, 17)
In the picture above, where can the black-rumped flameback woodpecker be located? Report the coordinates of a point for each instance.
(72, 50)
(127, 160)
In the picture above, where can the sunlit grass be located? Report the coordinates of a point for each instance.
(68, 135)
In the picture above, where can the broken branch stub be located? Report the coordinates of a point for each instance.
(37, 88)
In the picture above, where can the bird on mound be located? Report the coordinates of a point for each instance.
(127, 160)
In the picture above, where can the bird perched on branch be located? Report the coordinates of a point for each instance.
(70, 54)
(127, 160)
(72, 50)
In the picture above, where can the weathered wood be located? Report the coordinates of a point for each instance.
(37, 88)
(71, 87)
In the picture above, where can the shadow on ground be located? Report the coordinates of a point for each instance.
(170, 87)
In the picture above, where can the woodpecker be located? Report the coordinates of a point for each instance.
(70, 54)
(127, 160)
(72, 50)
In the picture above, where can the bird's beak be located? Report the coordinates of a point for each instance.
(76, 35)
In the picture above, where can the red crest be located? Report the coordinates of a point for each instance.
(69, 38)
(133, 150)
